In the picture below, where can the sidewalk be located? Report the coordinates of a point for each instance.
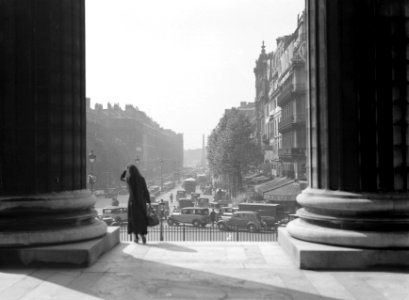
(200, 270)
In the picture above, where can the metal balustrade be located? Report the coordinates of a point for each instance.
(209, 233)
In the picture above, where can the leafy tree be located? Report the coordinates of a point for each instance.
(232, 150)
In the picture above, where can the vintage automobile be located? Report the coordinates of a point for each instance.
(161, 211)
(110, 192)
(242, 220)
(225, 212)
(267, 212)
(185, 202)
(189, 185)
(109, 221)
(99, 193)
(197, 216)
(180, 194)
(203, 202)
(118, 213)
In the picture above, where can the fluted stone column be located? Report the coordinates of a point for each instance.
(43, 196)
(358, 125)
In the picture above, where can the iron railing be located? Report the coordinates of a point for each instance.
(209, 233)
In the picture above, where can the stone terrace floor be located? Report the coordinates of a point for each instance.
(200, 270)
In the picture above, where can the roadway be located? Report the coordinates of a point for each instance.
(123, 199)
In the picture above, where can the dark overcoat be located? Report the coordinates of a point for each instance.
(138, 198)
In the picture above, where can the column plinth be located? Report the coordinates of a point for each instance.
(372, 220)
(49, 218)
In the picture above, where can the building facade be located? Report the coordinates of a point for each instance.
(281, 104)
(129, 136)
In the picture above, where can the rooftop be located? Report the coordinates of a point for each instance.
(200, 270)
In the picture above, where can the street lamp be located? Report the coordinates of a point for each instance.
(162, 212)
(161, 174)
(92, 178)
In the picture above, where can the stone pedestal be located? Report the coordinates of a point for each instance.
(307, 255)
(77, 254)
(43, 196)
(358, 195)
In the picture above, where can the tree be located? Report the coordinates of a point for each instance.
(232, 150)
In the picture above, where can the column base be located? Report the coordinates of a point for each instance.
(80, 254)
(48, 219)
(307, 255)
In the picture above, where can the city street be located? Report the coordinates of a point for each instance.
(187, 232)
(123, 199)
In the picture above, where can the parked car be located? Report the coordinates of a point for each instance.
(123, 192)
(109, 221)
(189, 185)
(184, 202)
(111, 192)
(197, 216)
(180, 194)
(156, 206)
(118, 213)
(203, 202)
(226, 212)
(99, 193)
(195, 196)
(242, 220)
(267, 212)
(270, 223)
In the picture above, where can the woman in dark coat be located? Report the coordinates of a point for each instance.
(138, 198)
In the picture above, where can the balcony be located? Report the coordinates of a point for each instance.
(289, 123)
(285, 94)
(288, 91)
(291, 153)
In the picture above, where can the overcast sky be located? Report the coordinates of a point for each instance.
(181, 61)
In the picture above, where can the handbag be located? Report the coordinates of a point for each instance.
(153, 219)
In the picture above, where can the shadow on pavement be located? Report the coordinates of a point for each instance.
(127, 273)
(170, 247)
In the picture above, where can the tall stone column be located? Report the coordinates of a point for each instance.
(358, 127)
(43, 196)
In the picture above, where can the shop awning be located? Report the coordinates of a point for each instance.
(272, 184)
(255, 179)
(287, 192)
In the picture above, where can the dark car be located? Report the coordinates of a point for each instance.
(197, 216)
(242, 220)
(270, 223)
(180, 194)
(111, 192)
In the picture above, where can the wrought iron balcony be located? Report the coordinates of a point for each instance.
(290, 153)
(289, 122)
(288, 91)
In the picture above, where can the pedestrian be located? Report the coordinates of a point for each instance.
(138, 198)
(213, 217)
(115, 201)
(171, 197)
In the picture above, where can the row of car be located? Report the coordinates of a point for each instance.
(196, 216)
(238, 220)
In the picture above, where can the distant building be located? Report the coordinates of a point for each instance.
(281, 104)
(247, 109)
(135, 138)
(261, 99)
